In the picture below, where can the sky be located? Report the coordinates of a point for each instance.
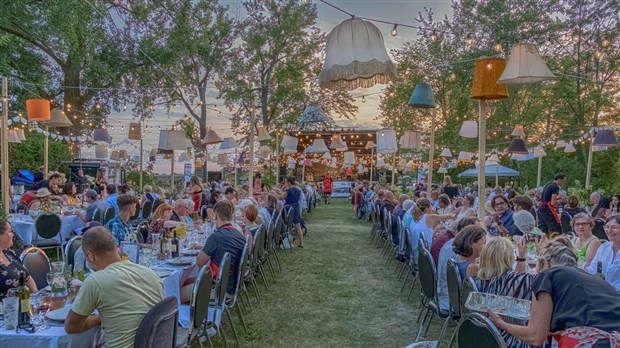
(393, 11)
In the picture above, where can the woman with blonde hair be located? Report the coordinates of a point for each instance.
(585, 242)
(449, 188)
(160, 221)
(423, 222)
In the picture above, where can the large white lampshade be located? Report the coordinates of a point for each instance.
(349, 158)
(355, 56)
(386, 141)
(560, 144)
(525, 66)
(569, 148)
(101, 152)
(13, 137)
(469, 129)
(446, 152)
(58, 119)
(411, 140)
(464, 156)
(336, 141)
(20, 134)
(289, 143)
(342, 147)
(539, 152)
(318, 146)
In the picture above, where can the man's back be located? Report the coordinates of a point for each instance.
(123, 293)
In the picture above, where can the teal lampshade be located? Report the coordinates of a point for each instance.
(518, 146)
(422, 96)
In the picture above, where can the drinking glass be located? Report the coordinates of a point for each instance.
(20, 214)
(49, 278)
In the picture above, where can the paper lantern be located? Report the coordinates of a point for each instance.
(486, 74)
(264, 151)
(211, 138)
(518, 146)
(518, 131)
(101, 152)
(605, 137)
(469, 129)
(570, 148)
(289, 143)
(135, 131)
(539, 152)
(222, 159)
(525, 66)
(38, 110)
(464, 156)
(318, 146)
(183, 157)
(12, 137)
(58, 119)
(560, 144)
(349, 158)
(263, 134)
(422, 96)
(172, 140)
(355, 56)
(20, 134)
(386, 141)
(370, 144)
(446, 153)
(411, 140)
(102, 135)
(327, 156)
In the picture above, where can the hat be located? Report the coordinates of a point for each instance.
(90, 225)
(90, 193)
(43, 192)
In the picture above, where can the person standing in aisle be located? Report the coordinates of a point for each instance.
(327, 187)
(549, 220)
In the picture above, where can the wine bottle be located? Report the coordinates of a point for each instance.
(23, 294)
(599, 270)
(174, 245)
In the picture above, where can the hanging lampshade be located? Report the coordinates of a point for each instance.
(289, 151)
(222, 159)
(469, 129)
(596, 148)
(123, 155)
(525, 66)
(493, 159)
(486, 74)
(102, 135)
(342, 147)
(289, 143)
(355, 56)
(172, 140)
(464, 156)
(58, 119)
(605, 137)
(101, 152)
(211, 138)
(318, 146)
(349, 158)
(114, 155)
(263, 134)
(153, 152)
(560, 144)
(12, 137)
(386, 141)
(442, 170)
(327, 156)
(446, 153)
(307, 162)
(360, 169)
(183, 157)
(38, 110)
(422, 96)
(264, 151)
(539, 152)
(20, 134)
(370, 144)
(411, 140)
(569, 148)
(518, 146)
(290, 166)
(336, 141)
(518, 131)
(380, 163)
(135, 131)
(228, 145)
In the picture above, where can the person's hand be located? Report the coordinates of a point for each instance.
(495, 217)
(495, 319)
(522, 247)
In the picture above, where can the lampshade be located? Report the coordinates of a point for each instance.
(411, 140)
(222, 159)
(518, 131)
(560, 144)
(211, 138)
(228, 145)
(290, 159)
(336, 141)
(122, 155)
(380, 163)
(360, 169)
(469, 129)
(349, 158)
(20, 134)
(370, 144)
(596, 148)
(12, 136)
(166, 153)
(494, 159)
(442, 170)
(264, 151)
(525, 66)
(153, 152)
(172, 140)
(518, 146)
(464, 156)
(263, 134)
(58, 119)
(318, 146)
(386, 141)
(605, 137)
(135, 131)
(569, 148)
(307, 162)
(289, 143)
(327, 156)
(342, 147)
(486, 74)
(101, 135)
(539, 152)
(422, 96)
(183, 157)
(114, 155)
(355, 56)
(290, 166)
(446, 152)
(289, 151)
(38, 110)
(101, 152)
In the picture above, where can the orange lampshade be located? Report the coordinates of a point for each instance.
(486, 73)
(38, 110)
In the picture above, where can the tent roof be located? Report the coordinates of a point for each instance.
(490, 170)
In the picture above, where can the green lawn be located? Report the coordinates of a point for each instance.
(337, 292)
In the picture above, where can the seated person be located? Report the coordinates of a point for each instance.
(11, 267)
(250, 218)
(181, 211)
(501, 223)
(43, 200)
(112, 196)
(90, 197)
(122, 291)
(69, 194)
(119, 225)
(160, 221)
(231, 195)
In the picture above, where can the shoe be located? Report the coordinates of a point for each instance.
(400, 258)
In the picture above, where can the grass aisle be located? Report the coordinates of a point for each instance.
(336, 292)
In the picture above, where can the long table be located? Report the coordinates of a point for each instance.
(52, 337)
(25, 229)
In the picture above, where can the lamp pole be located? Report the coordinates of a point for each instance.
(481, 154)
(539, 172)
(5, 145)
(431, 152)
(589, 169)
(251, 172)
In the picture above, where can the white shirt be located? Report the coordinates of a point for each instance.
(445, 254)
(611, 264)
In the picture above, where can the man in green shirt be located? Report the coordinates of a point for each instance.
(122, 292)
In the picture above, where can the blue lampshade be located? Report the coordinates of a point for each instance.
(605, 137)
(422, 96)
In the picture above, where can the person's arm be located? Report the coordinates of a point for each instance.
(282, 196)
(434, 219)
(592, 249)
(32, 286)
(202, 259)
(537, 328)
(81, 216)
(76, 323)
(472, 269)
(591, 268)
(522, 250)
(79, 318)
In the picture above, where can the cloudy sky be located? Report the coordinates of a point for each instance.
(394, 11)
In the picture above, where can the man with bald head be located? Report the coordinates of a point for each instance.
(122, 291)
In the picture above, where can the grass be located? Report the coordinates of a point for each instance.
(337, 292)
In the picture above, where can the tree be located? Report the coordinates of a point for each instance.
(28, 154)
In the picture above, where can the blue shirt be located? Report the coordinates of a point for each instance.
(111, 201)
(119, 229)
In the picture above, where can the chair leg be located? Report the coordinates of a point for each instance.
(247, 296)
(277, 259)
(402, 288)
(263, 276)
(422, 324)
(444, 327)
(245, 328)
(270, 266)
(428, 323)
(412, 285)
(232, 324)
(453, 338)
(223, 336)
(255, 286)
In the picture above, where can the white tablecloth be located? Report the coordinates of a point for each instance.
(53, 337)
(26, 231)
(172, 283)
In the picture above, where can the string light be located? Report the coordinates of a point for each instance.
(433, 37)
(576, 36)
(394, 31)
(469, 41)
(605, 42)
(498, 46)
(363, 99)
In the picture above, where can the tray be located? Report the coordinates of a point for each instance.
(502, 305)
(181, 261)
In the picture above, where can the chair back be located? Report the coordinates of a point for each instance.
(288, 217)
(97, 215)
(428, 274)
(201, 296)
(38, 265)
(221, 284)
(279, 230)
(453, 278)
(406, 240)
(142, 232)
(48, 226)
(136, 214)
(158, 328)
(241, 268)
(598, 230)
(565, 219)
(147, 209)
(203, 212)
(475, 330)
(261, 234)
(109, 215)
(72, 246)
(156, 204)
(468, 286)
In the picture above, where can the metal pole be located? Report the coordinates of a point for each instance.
(393, 169)
(431, 153)
(45, 153)
(277, 156)
(496, 174)
(539, 172)
(481, 155)
(141, 160)
(372, 162)
(251, 173)
(172, 171)
(235, 166)
(589, 169)
(5, 146)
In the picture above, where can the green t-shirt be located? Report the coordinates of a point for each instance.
(123, 293)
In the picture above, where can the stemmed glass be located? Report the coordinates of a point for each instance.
(532, 260)
(50, 279)
(40, 305)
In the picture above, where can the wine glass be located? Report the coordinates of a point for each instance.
(50, 279)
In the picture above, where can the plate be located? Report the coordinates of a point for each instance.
(59, 314)
(162, 273)
(503, 305)
(181, 261)
(191, 252)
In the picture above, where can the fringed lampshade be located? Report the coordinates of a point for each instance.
(58, 119)
(422, 96)
(570, 148)
(411, 140)
(469, 129)
(446, 153)
(370, 144)
(560, 144)
(342, 147)
(12, 137)
(135, 131)
(101, 136)
(264, 151)
(386, 141)
(114, 155)
(289, 143)
(222, 159)
(327, 156)
(211, 138)
(486, 73)
(355, 56)
(38, 110)
(518, 146)
(336, 141)
(539, 151)
(464, 156)
(172, 140)
(525, 66)
(20, 134)
(318, 146)
(263, 134)
(349, 158)
(442, 170)
(518, 131)
(183, 157)
(101, 152)
(605, 137)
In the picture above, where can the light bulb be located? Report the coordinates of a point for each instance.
(489, 65)
(497, 47)
(433, 37)
(598, 54)
(576, 36)
(605, 42)
(363, 99)
(394, 31)
(469, 41)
